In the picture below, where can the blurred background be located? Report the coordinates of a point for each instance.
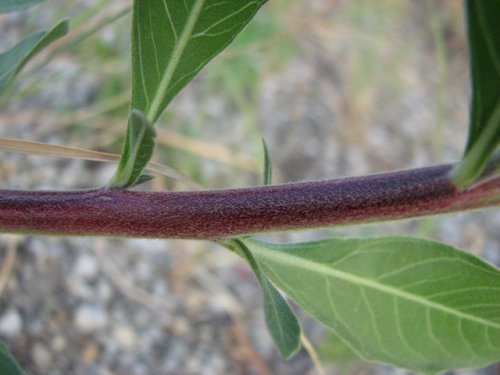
(336, 88)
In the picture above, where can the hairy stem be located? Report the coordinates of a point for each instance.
(219, 214)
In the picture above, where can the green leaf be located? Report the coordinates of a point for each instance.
(484, 126)
(12, 5)
(14, 59)
(143, 178)
(281, 321)
(332, 349)
(409, 302)
(173, 40)
(268, 167)
(8, 364)
(136, 153)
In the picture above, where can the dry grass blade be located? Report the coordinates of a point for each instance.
(8, 262)
(308, 346)
(95, 23)
(206, 150)
(38, 148)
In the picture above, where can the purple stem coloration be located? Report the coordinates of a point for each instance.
(219, 214)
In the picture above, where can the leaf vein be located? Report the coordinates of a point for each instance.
(179, 47)
(224, 20)
(302, 263)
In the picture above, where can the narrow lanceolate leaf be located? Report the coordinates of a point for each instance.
(408, 302)
(13, 60)
(484, 126)
(281, 321)
(12, 5)
(136, 152)
(173, 40)
(8, 364)
(268, 167)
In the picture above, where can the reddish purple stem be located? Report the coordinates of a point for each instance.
(218, 214)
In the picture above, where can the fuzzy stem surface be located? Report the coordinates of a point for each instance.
(219, 214)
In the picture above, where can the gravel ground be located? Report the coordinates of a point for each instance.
(361, 93)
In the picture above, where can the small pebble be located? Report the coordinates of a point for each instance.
(125, 336)
(11, 323)
(86, 267)
(90, 353)
(41, 356)
(90, 318)
(58, 343)
(104, 291)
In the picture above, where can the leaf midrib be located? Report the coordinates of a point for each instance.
(179, 48)
(301, 263)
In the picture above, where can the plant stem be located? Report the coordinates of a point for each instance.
(219, 214)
